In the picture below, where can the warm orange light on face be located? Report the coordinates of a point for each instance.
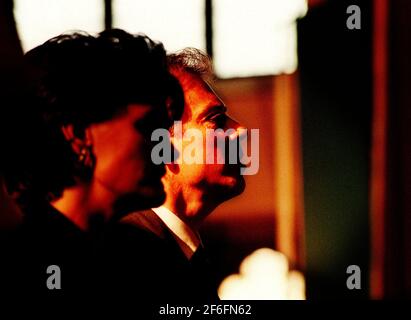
(123, 158)
(202, 109)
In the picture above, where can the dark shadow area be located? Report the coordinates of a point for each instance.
(335, 66)
(397, 222)
(230, 242)
(11, 92)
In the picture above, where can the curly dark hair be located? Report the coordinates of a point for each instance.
(79, 79)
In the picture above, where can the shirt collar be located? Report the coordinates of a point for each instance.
(188, 239)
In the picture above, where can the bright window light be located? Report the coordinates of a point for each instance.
(257, 37)
(40, 20)
(177, 24)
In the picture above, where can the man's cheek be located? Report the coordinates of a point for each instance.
(193, 151)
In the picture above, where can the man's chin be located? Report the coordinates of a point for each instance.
(239, 186)
(232, 187)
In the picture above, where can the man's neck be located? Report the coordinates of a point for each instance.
(192, 208)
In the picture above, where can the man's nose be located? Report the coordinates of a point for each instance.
(239, 129)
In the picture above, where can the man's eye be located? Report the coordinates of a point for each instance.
(218, 119)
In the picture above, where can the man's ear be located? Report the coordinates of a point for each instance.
(78, 140)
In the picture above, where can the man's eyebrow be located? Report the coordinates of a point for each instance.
(215, 108)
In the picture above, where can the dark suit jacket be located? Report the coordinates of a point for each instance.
(151, 265)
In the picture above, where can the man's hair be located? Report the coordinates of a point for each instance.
(193, 61)
(80, 79)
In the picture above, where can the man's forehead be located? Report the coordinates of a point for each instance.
(198, 93)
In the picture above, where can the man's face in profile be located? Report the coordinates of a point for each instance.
(204, 110)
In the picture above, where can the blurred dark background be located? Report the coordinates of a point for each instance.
(335, 65)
